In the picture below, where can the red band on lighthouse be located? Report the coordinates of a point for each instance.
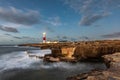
(44, 37)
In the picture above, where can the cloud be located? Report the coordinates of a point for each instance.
(73, 39)
(89, 20)
(55, 21)
(64, 37)
(85, 37)
(49, 29)
(60, 38)
(8, 29)
(24, 37)
(113, 35)
(27, 37)
(17, 16)
(17, 37)
(11, 40)
(21, 37)
(93, 10)
(10, 35)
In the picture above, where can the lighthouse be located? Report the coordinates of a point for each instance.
(44, 37)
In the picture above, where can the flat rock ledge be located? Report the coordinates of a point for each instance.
(50, 58)
(112, 72)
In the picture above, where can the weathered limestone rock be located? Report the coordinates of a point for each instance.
(82, 50)
(112, 73)
(61, 54)
(68, 59)
(86, 51)
(68, 51)
(49, 58)
(56, 52)
(93, 75)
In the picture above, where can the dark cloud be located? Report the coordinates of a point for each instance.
(23, 37)
(93, 10)
(58, 37)
(27, 37)
(17, 37)
(89, 20)
(65, 37)
(113, 35)
(73, 39)
(84, 38)
(8, 29)
(17, 16)
(8, 34)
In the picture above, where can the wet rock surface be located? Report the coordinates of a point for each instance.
(50, 58)
(111, 73)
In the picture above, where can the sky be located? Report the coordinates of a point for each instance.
(24, 21)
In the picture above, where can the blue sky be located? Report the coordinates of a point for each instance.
(24, 21)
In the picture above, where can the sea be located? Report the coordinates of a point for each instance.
(15, 64)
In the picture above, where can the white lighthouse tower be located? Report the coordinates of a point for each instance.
(44, 37)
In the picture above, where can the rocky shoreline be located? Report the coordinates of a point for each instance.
(107, 50)
(83, 51)
(112, 72)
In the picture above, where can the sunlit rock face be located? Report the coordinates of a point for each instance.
(96, 49)
(63, 52)
(68, 51)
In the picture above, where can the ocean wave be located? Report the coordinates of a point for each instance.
(21, 60)
(18, 60)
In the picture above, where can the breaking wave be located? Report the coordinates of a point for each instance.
(20, 59)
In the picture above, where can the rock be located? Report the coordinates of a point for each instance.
(67, 59)
(51, 59)
(39, 57)
(68, 51)
(93, 50)
(113, 61)
(80, 50)
(112, 73)
(56, 52)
